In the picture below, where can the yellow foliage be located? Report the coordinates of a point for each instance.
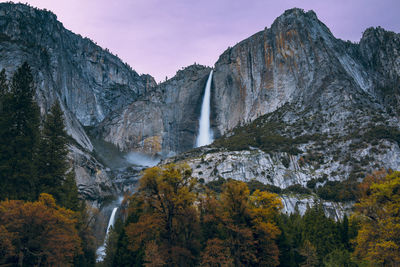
(378, 213)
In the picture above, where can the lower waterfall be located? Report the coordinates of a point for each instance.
(101, 251)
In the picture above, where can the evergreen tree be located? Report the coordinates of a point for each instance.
(344, 232)
(3, 86)
(321, 231)
(5, 124)
(69, 197)
(291, 240)
(52, 156)
(19, 136)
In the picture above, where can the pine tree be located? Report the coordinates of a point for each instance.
(5, 124)
(19, 136)
(69, 193)
(3, 85)
(52, 157)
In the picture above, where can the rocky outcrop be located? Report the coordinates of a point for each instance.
(164, 121)
(92, 178)
(282, 169)
(332, 210)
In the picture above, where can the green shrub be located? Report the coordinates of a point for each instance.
(297, 189)
(254, 185)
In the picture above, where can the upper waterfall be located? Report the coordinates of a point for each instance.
(205, 134)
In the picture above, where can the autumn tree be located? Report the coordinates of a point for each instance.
(378, 240)
(243, 223)
(216, 254)
(165, 222)
(264, 208)
(38, 233)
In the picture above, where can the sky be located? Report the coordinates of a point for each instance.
(159, 37)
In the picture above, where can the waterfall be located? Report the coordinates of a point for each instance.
(101, 251)
(205, 135)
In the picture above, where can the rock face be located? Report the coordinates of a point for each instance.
(296, 60)
(338, 102)
(89, 82)
(335, 101)
(282, 169)
(298, 63)
(92, 179)
(88, 79)
(165, 121)
(332, 210)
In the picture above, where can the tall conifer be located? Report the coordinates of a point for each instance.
(52, 155)
(5, 124)
(19, 137)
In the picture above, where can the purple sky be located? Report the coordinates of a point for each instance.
(159, 37)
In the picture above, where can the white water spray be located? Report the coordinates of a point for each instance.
(101, 251)
(205, 135)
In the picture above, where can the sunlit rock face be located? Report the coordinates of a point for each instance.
(296, 60)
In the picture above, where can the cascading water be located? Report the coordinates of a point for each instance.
(205, 134)
(101, 251)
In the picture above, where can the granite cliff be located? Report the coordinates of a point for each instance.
(307, 107)
(88, 81)
(289, 105)
(165, 121)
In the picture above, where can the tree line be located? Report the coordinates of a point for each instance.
(172, 220)
(42, 220)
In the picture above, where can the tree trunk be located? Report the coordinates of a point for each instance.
(21, 257)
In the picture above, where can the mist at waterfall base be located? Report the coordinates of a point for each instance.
(141, 159)
(205, 134)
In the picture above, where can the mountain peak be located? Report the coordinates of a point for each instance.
(15, 8)
(301, 21)
(294, 14)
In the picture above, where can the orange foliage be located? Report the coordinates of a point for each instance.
(375, 177)
(41, 230)
(216, 254)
